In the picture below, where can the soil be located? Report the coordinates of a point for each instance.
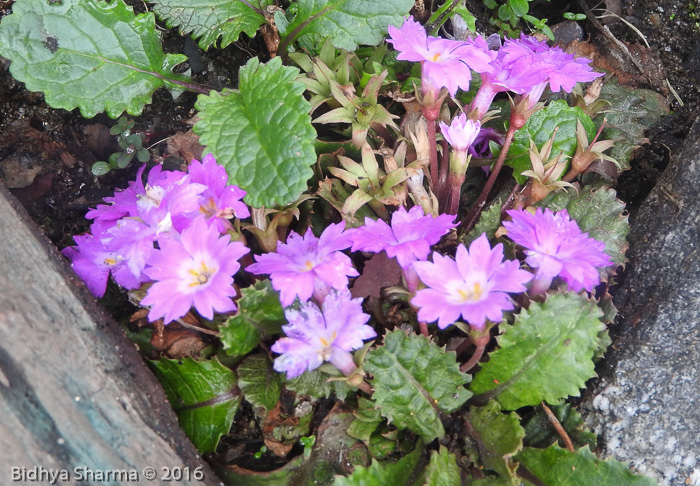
(46, 154)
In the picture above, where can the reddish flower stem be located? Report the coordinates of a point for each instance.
(475, 211)
(423, 328)
(478, 353)
(433, 154)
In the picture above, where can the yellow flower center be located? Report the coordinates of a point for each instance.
(474, 294)
(436, 57)
(201, 275)
(308, 266)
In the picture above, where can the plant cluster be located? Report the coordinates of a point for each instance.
(422, 337)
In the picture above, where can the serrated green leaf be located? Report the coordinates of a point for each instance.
(259, 383)
(631, 113)
(382, 474)
(415, 381)
(203, 395)
(500, 437)
(315, 385)
(546, 355)
(489, 222)
(442, 469)
(261, 134)
(346, 23)
(210, 19)
(539, 432)
(540, 128)
(599, 213)
(259, 312)
(96, 56)
(555, 465)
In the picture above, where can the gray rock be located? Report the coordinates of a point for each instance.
(646, 406)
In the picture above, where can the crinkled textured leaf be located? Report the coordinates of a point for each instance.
(259, 312)
(489, 222)
(632, 111)
(259, 383)
(315, 385)
(546, 355)
(599, 213)
(500, 437)
(442, 469)
(539, 431)
(580, 468)
(347, 22)
(210, 19)
(382, 474)
(245, 477)
(540, 127)
(415, 381)
(261, 134)
(203, 395)
(96, 56)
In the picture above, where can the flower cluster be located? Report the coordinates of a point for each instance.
(522, 66)
(172, 231)
(556, 246)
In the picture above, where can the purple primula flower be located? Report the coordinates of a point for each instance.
(409, 237)
(327, 334)
(307, 265)
(220, 201)
(474, 286)
(445, 63)
(195, 269)
(555, 246)
(461, 133)
(526, 66)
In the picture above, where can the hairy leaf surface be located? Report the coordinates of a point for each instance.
(546, 355)
(415, 382)
(259, 383)
(96, 56)
(261, 134)
(346, 23)
(208, 20)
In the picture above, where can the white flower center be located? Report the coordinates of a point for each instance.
(201, 275)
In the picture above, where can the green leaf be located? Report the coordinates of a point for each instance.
(539, 431)
(580, 468)
(210, 19)
(259, 312)
(520, 7)
(367, 419)
(96, 56)
(489, 222)
(382, 474)
(259, 383)
(261, 134)
(631, 113)
(442, 469)
(203, 395)
(415, 382)
(500, 437)
(100, 168)
(540, 127)
(346, 23)
(546, 355)
(599, 213)
(315, 385)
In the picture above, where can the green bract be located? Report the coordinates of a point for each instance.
(546, 355)
(415, 382)
(210, 19)
(85, 54)
(261, 134)
(203, 395)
